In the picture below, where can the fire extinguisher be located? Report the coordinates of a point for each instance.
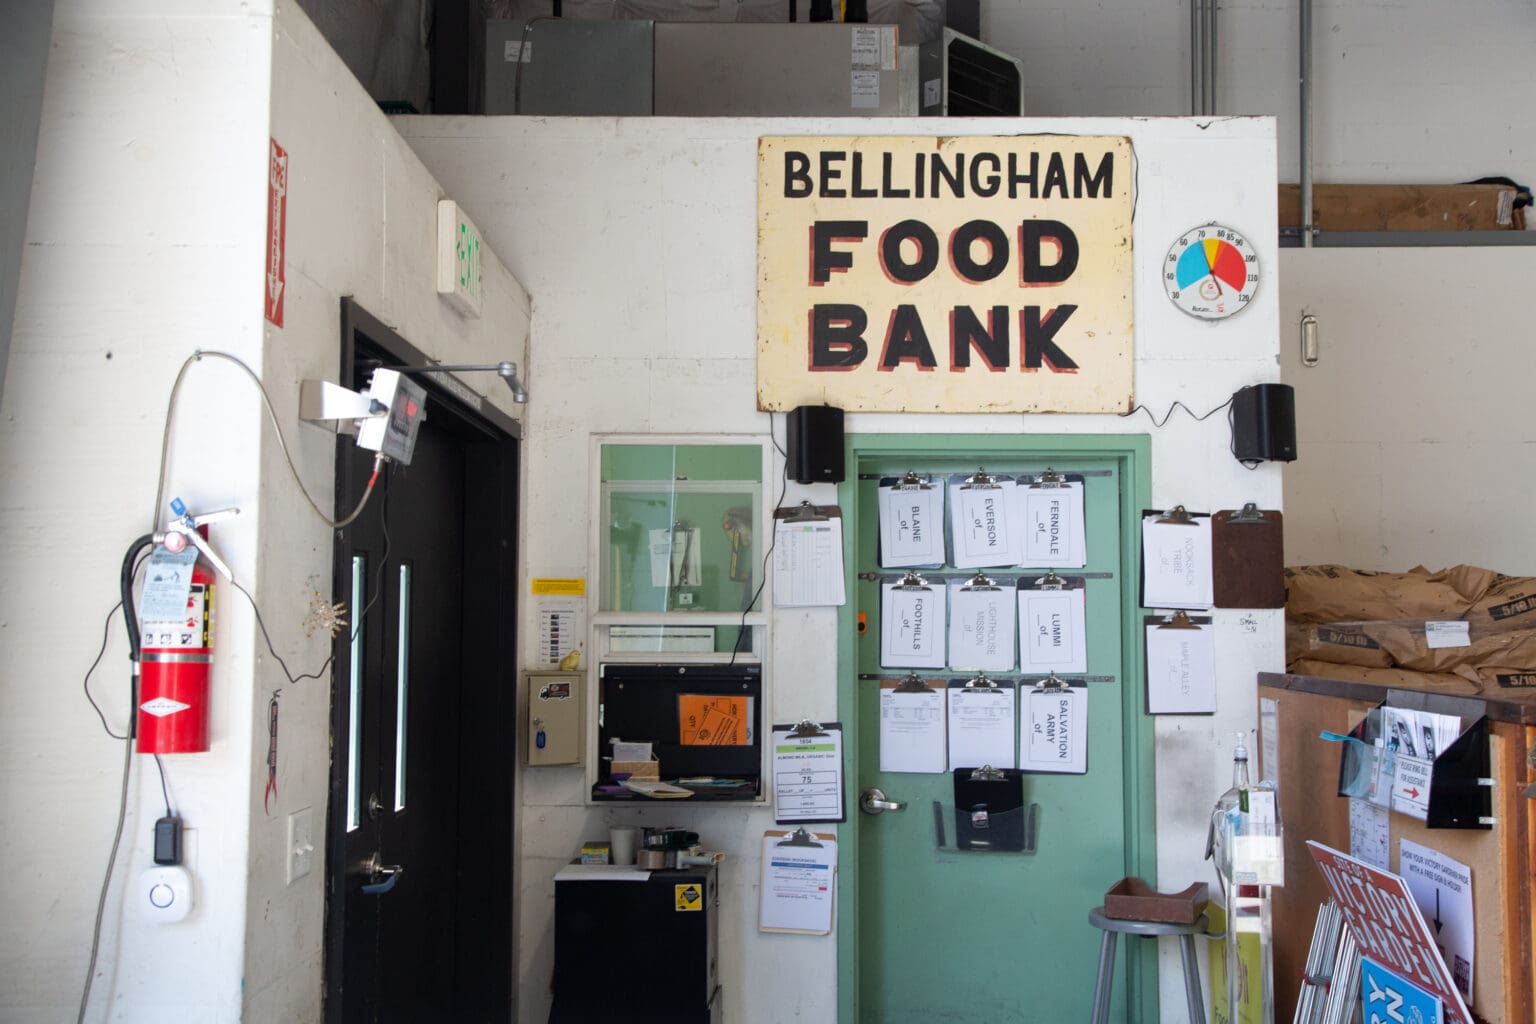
(176, 655)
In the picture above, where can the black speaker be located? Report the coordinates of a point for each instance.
(815, 441)
(1264, 423)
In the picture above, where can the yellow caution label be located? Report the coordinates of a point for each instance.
(689, 897)
(559, 587)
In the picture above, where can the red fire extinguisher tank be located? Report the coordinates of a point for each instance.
(176, 659)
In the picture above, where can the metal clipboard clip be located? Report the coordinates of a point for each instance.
(1248, 514)
(1177, 516)
(980, 480)
(1050, 478)
(913, 683)
(1180, 620)
(806, 729)
(981, 581)
(1050, 581)
(799, 837)
(912, 581)
(1050, 683)
(986, 773)
(980, 683)
(804, 512)
(910, 481)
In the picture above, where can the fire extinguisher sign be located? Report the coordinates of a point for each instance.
(277, 225)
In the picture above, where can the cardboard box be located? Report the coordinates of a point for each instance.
(1404, 208)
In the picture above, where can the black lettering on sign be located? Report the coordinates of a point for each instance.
(837, 336)
(830, 173)
(797, 178)
(825, 259)
(894, 262)
(991, 342)
(1033, 271)
(963, 239)
(905, 339)
(1039, 333)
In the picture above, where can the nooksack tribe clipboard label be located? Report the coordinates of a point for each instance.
(1056, 730)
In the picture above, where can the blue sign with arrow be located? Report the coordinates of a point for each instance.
(1389, 999)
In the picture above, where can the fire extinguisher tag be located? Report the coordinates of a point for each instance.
(187, 631)
(167, 582)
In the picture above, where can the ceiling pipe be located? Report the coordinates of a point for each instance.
(1306, 125)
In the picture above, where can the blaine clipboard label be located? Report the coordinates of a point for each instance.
(808, 772)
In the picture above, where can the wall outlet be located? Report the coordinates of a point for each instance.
(685, 597)
(301, 844)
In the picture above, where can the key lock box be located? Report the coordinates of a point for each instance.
(556, 718)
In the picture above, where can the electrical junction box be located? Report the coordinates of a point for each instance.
(556, 719)
(393, 433)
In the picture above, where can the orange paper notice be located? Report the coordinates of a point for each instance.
(711, 720)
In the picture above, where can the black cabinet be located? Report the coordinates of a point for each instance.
(642, 952)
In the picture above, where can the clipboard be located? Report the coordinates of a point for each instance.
(1053, 623)
(1247, 558)
(1180, 673)
(913, 628)
(914, 726)
(798, 882)
(808, 556)
(989, 808)
(808, 772)
(908, 505)
(1198, 596)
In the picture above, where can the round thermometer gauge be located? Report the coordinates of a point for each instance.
(1211, 272)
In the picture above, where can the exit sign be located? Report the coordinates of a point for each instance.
(458, 259)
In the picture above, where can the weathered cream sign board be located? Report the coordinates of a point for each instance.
(927, 274)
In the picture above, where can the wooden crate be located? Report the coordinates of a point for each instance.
(1404, 208)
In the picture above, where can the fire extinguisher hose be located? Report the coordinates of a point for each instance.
(131, 622)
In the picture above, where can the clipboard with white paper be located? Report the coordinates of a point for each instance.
(1176, 560)
(1053, 728)
(798, 883)
(986, 522)
(913, 729)
(808, 772)
(911, 509)
(981, 626)
(1054, 533)
(1181, 665)
(912, 623)
(1053, 624)
(981, 724)
(808, 556)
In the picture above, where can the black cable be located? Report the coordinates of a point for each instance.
(130, 621)
(741, 631)
(163, 791)
(85, 684)
(1197, 417)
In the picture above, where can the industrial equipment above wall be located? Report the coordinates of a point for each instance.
(565, 66)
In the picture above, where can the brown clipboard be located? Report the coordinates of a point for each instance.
(1247, 558)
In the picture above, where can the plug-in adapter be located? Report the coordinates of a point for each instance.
(168, 840)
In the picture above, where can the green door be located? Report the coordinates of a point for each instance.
(935, 933)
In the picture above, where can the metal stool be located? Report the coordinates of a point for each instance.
(1112, 927)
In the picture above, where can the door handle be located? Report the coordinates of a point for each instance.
(390, 873)
(873, 801)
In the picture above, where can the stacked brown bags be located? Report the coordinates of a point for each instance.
(1370, 626)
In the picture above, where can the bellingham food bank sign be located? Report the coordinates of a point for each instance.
(926, 274)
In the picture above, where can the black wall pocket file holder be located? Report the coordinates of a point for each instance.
(1460, 787)
(989, 809)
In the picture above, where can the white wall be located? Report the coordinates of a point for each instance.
(140, 248)
(1405, 91)
(1414, 439)
(636, 238)
(146, 241)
